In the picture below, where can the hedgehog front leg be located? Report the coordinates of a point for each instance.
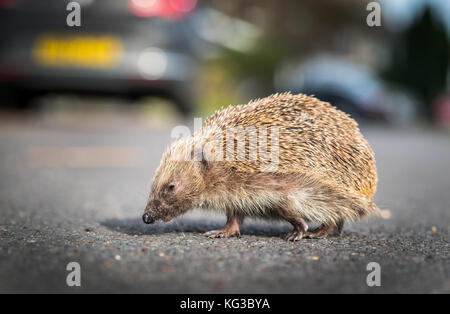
(232, 228)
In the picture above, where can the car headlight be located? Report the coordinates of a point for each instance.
(152, 63)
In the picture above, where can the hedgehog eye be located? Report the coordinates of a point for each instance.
(171, 187)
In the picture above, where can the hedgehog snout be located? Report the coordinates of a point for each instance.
(151, 213)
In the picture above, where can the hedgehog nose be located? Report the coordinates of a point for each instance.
(148, 218)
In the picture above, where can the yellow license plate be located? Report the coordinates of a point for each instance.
(80, 51)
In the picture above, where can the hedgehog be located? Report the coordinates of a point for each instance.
(285, 157)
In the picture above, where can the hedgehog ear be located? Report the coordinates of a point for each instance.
(200, 156)
(204, 162)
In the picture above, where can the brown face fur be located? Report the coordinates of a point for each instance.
(176, 188)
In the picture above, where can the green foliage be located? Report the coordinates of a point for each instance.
(220, 80)
(216, 87)
(259, 62)
(420, 60)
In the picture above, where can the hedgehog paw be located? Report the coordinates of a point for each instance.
(224, 233)
(295, 235)
(322, 232)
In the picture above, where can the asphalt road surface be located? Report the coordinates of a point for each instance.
(75, 192)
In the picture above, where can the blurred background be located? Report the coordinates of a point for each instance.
(189, 57)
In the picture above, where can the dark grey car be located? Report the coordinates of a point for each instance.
(120, 48)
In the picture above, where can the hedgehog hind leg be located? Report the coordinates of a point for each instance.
(298, 232)
(325, 230)
(299, 224)
(340, 227)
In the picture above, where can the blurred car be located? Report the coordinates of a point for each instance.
(350, 87)
(131, 48)
(441, 110)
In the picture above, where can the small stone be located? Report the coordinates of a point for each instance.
(315, 258)
(117, 257)
(163, 255)
(434, 229)
(385, 213)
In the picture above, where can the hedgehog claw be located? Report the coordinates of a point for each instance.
(232, 228)
(224, 233)
(295, 236)
(316, 235)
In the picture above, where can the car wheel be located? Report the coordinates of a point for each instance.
(18, 99)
